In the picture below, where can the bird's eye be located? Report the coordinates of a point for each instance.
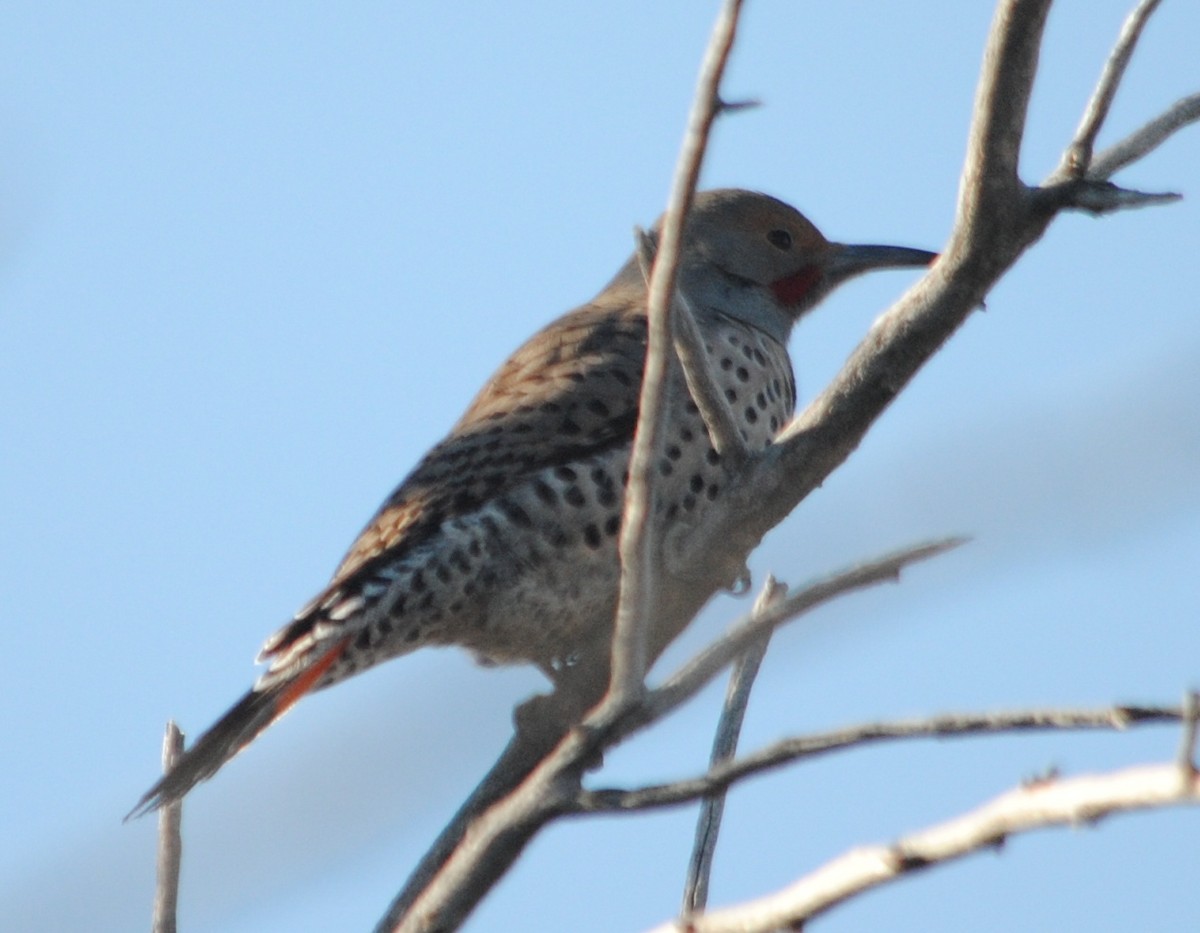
(780, 238)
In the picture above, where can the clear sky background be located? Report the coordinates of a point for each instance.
(256, 258)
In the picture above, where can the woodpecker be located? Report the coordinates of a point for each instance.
(503, 539)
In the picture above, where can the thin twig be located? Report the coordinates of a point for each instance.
(1060, 802)
(729, 728)
(697, 369)
(694, 675)
(787, 751)
(455, 875)
(1077, 159)
(635, 606)
(170, 842)
(1145, 140)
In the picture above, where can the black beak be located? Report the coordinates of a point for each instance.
(845, 261)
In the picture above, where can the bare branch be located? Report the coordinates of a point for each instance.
(1071, 802)
(990, 180)
(636, 602)
(512, 802)
(170, 842)
(697, 372)
(1145, 140)
(1078, 157)
(791, 750)
(697, 673)
(998, 218)
(729, 727)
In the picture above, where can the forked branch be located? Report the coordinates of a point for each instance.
(998, 217)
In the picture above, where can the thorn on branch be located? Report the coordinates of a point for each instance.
(1187, 746)
(1049, 776)
(735, 106)
(1098, 197)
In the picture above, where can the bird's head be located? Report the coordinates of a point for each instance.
(751, 256)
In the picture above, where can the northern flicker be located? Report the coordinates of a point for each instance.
(503, 540)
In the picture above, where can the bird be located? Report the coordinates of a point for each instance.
(503, 539)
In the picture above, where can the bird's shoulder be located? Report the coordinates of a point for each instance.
(570, 391)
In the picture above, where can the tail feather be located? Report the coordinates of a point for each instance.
(234, 731)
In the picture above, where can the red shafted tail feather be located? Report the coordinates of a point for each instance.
(234, 731)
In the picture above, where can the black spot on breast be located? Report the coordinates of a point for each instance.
(696, 483)
(751, 415)
(545, 492)
(363, 641)
(743, 374)
(712, 456)
(417, 584)
(673, 452)
(591, 535)
(612, 525)
(597, 407)
(731, 395)
(574, 496)
(566, 474)
(514, 513)
(570, 426)
(726, 363)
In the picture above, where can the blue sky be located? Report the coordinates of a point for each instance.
(254, 261)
